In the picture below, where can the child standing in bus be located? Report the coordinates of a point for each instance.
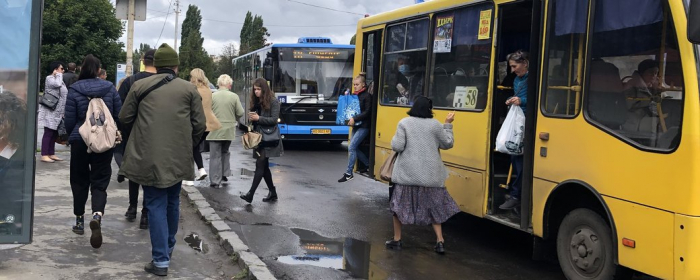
(519, 63)
(361, 131)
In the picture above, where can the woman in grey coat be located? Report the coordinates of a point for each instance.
(419, 175)
(50, 119)
(264, 111)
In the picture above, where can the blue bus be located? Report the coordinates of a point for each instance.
(307, 78)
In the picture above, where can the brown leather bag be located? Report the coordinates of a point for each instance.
(251, 140)
(388, 167)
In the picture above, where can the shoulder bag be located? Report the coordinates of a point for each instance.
(49, 101)
(270, 136)
(387, 168)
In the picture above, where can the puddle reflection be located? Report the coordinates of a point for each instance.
(346, 254)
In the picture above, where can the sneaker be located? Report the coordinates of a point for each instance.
(79, 227)
(363, 171)
(510, 204)
(152, 268)
(202, 174)
(346, 177)
(393, 244)
(188, 183)
(130, 214)
(96, 227)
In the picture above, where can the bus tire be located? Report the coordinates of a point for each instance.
(585, 246)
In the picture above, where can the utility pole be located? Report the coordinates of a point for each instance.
(177, 17)
(130, 40)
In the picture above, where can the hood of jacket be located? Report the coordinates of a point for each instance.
(92, 87)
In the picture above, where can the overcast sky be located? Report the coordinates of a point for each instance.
(286, 20)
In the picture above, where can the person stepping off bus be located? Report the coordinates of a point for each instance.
(360, 131)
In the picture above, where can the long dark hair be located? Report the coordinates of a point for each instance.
(422, 108)
(12, 114)
(90, 68)
(266, 96)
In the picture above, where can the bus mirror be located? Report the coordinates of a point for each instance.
(267, 72)
(694, 22)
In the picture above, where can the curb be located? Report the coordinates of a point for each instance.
(253, 267)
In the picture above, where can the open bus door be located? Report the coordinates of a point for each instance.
(371, 50)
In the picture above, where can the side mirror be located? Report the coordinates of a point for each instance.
(694, 22)
(267, 72)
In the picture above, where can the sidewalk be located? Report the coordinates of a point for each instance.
(58, 253)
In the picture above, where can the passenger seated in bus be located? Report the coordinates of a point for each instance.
(412, 85)
(519, 62)
(640, 91)
(391, 94)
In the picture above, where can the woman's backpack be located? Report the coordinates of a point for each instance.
(99, 131)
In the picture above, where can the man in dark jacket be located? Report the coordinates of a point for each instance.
(359, 132)
(124, 89)
(173, 111)
(69, 77)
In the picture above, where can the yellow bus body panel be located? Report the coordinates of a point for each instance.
(687, 247)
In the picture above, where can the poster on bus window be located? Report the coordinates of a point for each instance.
(443, 34)
(16, 119)
(485, 25)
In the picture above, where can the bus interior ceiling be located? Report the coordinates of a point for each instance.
(513, 34)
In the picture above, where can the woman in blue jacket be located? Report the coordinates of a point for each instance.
(89, 172)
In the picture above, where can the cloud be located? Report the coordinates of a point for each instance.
(286, 20)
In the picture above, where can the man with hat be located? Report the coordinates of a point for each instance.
(124, 89)
(165, 124)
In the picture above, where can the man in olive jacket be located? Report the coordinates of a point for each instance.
(158, 154)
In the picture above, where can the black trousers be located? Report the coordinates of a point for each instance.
(90, 173)
(196, 152)
(262, 171)
(134, 196)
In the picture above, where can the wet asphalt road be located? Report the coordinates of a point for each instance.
(322, 229)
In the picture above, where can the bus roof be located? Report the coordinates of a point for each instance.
(333, 46)
(413, 10)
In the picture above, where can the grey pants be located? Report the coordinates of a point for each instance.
(219, 161)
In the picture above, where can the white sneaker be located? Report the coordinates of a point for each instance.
(188, 183)
(202, 174)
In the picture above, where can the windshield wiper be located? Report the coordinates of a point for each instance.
(295, 103)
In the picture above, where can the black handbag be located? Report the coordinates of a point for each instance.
(270, 136)
(49, 101)
(62, 133)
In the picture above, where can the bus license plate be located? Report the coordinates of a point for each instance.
(321, 131)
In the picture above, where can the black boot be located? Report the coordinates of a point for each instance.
(248, 197)
(79, 227)
(96, 227)
(144, 220)
(130, 214)
(272, 195)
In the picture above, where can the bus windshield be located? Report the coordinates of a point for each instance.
(314, 72)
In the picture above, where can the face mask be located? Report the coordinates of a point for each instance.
(404, 69)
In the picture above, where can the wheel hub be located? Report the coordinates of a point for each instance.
(587, 252)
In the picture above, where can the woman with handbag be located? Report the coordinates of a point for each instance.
(420, 197)
(51, 110)
(264, 113)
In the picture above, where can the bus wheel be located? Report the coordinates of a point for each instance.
(585, 247)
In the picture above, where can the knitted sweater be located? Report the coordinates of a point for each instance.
(418, 142)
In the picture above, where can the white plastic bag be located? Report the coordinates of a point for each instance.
(510, 137)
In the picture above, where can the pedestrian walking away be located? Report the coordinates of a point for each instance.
(264, 112)
(420, 196)
(49, 118)
(360, 132)
(90, 172)
(134, 187)
(199, 79)
(159, 157)
(228, 109)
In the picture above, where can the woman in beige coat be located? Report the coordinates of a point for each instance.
(199, 79)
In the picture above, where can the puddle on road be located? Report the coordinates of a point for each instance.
(247, 172)
(347, 254)
(196, 243)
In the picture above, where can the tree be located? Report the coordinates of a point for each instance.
(225, 65)
(192, 52)
(352, 40)
(138, 53)
(73, 29)
(254, 34)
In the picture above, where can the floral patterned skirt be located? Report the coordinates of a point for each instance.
(422, 205)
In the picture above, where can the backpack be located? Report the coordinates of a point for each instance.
(99, 131)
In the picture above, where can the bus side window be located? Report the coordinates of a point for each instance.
(405, 62)
(639, 54)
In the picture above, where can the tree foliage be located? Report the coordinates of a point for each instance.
(143, 48)
(192, 52)
(224, 65)
(353, 39)
(73, 29)
(254, 34)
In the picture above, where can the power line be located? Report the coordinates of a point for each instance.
(321, 7)
(164, 22)
(278, 25)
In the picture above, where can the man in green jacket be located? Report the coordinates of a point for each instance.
(228, 110)
(158, 154)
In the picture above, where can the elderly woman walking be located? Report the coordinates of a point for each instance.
(420, 197)
(228, 110)
(49, 118)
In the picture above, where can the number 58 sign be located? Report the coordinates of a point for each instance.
(465, 97)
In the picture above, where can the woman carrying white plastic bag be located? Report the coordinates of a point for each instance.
(510, 137)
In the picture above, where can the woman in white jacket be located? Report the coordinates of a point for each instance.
(420, 197)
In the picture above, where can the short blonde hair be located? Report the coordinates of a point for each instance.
(198, 78)
(224, 81)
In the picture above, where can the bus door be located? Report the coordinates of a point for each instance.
(513, 33)
(371, 50)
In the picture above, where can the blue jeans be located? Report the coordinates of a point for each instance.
(163, 216)
(518, 171)
(358, 135)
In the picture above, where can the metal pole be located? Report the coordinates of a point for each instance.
(177, 16)
(130, 40)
